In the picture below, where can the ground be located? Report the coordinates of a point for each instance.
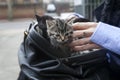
(11, 36)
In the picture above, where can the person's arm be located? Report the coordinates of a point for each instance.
(107, 36)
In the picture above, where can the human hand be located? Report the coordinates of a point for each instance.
(83, 32)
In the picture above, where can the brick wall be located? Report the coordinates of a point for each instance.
(3, 12)
(21, 11)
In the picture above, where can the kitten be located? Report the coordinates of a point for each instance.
(60, 34)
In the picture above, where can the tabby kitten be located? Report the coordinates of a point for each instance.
(60, 34)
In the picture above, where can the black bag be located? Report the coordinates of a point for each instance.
(38, 62)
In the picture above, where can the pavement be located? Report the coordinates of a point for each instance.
(11, 36)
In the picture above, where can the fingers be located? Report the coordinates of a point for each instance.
(83, 25)
(83, 44)
(80, 42)
(79, 26)
(83, 30)
(86, 47)
(81, 33)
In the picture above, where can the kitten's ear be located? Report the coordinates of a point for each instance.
(38, 18)
(70, 21)
(50, 23)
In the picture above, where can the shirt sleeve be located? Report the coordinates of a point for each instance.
(107, 36)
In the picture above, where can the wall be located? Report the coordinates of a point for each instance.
(21, 11)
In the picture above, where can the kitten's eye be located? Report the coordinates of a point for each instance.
(67, 34)
(71, 32)
(57, 35)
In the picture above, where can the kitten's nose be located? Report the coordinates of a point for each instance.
(62, 38)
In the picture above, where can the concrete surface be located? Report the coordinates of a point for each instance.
(11, 35)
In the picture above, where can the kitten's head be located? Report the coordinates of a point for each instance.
(59, 32)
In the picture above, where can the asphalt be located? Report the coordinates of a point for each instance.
(11, 36)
